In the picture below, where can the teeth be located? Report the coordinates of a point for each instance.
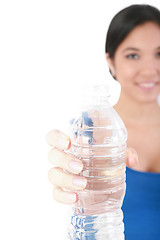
(147, 85)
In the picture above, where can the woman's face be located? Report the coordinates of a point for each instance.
(136, 63)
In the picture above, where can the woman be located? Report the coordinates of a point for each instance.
(133, 56)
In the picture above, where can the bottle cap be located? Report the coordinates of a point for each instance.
(101, 93)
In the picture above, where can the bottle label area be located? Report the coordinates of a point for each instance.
(108, 226)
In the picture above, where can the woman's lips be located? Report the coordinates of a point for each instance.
(147, 85)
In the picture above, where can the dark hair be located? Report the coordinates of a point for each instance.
(125, 21)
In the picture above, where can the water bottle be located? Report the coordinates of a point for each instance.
(98, 138)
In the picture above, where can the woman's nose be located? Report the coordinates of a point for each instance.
(149, 67)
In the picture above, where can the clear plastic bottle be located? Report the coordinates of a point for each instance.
(98, 138)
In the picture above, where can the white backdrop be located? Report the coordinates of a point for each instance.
(46, 47)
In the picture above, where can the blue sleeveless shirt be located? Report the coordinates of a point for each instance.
(141, 206)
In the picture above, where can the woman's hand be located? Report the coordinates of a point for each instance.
(63, 161)
(63, 181)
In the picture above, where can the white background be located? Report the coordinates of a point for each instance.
(46, 47)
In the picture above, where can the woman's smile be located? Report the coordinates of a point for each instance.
(147, 86)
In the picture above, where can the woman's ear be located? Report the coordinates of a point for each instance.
(111, 66)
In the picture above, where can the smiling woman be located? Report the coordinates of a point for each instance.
(140, 52)
(133, 56)
(134, 59)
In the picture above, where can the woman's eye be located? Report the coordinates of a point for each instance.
(158, 54)
(132, 56)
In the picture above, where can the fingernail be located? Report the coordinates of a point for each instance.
(135, 153)
(63, 142)
(71, 197)
(79, 182)
(76, 166)
(132, 161)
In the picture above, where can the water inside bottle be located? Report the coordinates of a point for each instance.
(100, 142)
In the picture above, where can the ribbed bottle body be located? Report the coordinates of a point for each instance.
(98, 138)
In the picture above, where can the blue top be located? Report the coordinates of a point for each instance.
(141, 206)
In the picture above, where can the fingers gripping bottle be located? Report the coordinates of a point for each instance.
(98, 138)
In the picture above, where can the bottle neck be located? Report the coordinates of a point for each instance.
(91, 101)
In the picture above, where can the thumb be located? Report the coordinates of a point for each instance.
(132, 157)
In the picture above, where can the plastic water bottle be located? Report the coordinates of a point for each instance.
(98, 138)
